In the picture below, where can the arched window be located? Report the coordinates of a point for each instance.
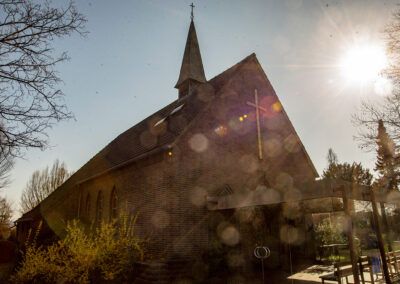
(113, 205)
(80, 211)
(87, 206)
(99, 208)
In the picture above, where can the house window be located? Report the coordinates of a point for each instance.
(113, 204)
(87, 206)
(99, 208)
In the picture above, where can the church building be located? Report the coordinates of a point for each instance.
(187, 169)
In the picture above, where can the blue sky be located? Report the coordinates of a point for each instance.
(126, 67)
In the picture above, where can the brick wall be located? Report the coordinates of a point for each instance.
(217, 150)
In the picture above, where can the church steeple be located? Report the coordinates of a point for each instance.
(192, 71)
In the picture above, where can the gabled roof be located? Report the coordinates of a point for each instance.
(192, 65)
(163, 128)
(159, 131)
(152, 133)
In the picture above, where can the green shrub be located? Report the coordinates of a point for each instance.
(105, 253)
(327, 233)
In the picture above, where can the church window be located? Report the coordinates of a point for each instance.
(87, 206)
(175, 110)
(113, 204)
(160, 121)
(80, 211)
(99, 208)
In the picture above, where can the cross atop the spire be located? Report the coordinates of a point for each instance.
(191, 15)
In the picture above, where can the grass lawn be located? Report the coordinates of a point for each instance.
(344, 254)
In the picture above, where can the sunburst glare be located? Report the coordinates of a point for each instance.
(363, 64)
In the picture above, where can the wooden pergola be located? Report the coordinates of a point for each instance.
(317, 190)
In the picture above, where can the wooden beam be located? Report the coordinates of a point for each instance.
(378, 232)
(298, 193)
(349, 230)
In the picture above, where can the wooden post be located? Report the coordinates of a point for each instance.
(349, 230)
(378, 231)
(386, 226)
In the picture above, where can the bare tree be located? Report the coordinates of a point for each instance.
(331, 157)
(42, 183)
(5, 212)
(392, 38)
(30, 99)
(367, 121)
(388, 110)
(6, 165)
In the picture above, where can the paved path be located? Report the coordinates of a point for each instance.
(311, 275)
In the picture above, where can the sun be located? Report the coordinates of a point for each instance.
(363, 64)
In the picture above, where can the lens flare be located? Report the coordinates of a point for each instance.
(363, 64)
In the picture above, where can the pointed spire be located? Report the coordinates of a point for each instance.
(192, 70)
